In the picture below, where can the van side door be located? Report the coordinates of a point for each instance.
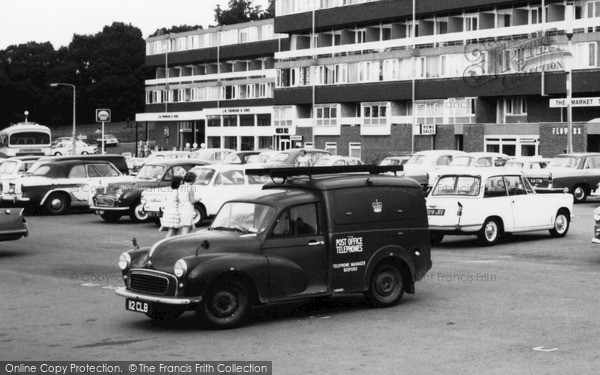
(297, 255)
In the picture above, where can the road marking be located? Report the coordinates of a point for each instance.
(89, 284)
(480, 261)
(541, 349)
(110, 287)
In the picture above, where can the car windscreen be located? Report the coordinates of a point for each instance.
(417, 159)
(9, 167)
(243, 217)
(150, 172)
(29, 138)
(513, 164)
(389, 162)
(281, 157)
(564, 161)
(457, 185)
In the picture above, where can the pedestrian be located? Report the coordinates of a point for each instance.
(170, 221)
(187, 198)
(303, 160)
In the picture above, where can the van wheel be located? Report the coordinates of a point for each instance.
(386, 286)
(490, 232)
(57, 204)
(224, 305)
(111, 217)
(579, 194)
(137, 213)
(561, 224)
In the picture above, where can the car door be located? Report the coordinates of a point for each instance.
(591, 169)
(528, 209)
(496, 201)
(296, 246)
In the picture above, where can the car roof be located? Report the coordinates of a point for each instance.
(222, 166)
(281, 197)
(440, 152)
(578, 154)
(171, 162)
(341, 181)
(484, 173)
(481, 154)
(23, 158)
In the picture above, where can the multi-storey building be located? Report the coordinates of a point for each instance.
(213, 87)
(367, 78)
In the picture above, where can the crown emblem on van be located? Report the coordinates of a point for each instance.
(377, 206)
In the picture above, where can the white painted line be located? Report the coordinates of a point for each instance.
(541, 349)
(89, 284)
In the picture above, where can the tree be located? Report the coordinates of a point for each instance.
(242, 11)
(175, 29)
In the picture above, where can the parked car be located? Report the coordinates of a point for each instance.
(243, 157)
(12, 224)
(422, 163)
(527, 163)
(491, 202)
(288, 158)
(139, 162)
(124, 198)
(57, 185)
(395, 160)
(117, 160)
(13, 168)
(109, 140)
(301, 239)
(62, 140)
(215, 184)
(337, 160)
(66, 148)
(577, 173)
(470, 160)
(211, 154)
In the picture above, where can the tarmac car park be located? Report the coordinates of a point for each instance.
(304, 236)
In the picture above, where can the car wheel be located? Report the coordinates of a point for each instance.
(111, 217)
(561, 224)
(225, 305)
(57, 204)
(490, 233)
(579, 194)
(84, 152)
(137, 213)
(164, 313)
(386, 287)
(57, 154)
(199, 215)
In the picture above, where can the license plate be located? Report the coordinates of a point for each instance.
(435, 212)
(137, 306)
(536, 181)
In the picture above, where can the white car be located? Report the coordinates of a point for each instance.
(338, 160)
(527, 163)
(66, 148)
(422, 163)
(109, 140)
(215, 184)
(471, 160)
(137, 163)
(211, 154)
(490, 203)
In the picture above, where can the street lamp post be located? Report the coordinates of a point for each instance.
(74, 107)
(569, 76)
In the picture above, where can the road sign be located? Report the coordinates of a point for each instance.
(102, 115)
(575, 102)
(425, 129)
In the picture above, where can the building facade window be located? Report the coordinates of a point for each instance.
(355, 150)
(326, 115)
(586, 55)
(331, 147)
(375, 114)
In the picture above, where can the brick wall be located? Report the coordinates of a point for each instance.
(553, 138)
(473, 137)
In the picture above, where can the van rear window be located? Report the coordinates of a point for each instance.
(375, 204)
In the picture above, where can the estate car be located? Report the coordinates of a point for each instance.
(299, 238)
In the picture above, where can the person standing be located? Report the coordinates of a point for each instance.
(170, 219)
(186, 197)
(303, 160)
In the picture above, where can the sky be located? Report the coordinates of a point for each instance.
(56, 21)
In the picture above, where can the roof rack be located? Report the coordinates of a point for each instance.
(284, 173)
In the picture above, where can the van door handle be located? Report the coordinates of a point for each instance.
(316, 243)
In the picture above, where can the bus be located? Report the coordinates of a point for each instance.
(25, 138)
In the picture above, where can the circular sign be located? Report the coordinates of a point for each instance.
(103, 115)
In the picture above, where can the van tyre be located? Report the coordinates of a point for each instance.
(561, 224)
(57, 204)
(490, 233)
(579, 194)
(386, 286)
(225, 305)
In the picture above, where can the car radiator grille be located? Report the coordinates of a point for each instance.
(105, 201)
(150, 284)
